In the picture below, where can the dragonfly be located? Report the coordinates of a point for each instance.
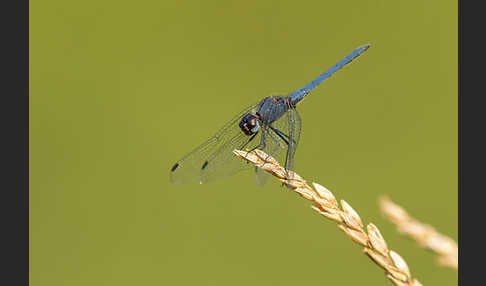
(272, 125)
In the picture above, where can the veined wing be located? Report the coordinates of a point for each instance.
(214, 158)
(281, 138)
(294, 127)
(274, 146)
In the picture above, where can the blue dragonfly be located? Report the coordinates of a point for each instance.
(272, 125)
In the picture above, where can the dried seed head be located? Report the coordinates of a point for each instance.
(349, 222)
(279, 173)
(440, 243)
(357, 236)
(305, 193)
(398, 274)
(376, 240)
(325, 194)
(396, 281)
(399, 262)
(379, 259)
(394, 211)
(373, 244)
(425, 235)
(350, 212)
(332, 215)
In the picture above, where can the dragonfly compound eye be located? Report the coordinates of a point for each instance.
(249, 124)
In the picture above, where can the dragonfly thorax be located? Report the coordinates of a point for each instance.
(249, 124)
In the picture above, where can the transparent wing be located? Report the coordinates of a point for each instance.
(222, 162)
(294, 128)
(261, 177)
(275, 147)
(214, 158)
(281, 139)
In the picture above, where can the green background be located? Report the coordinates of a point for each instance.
(119, 91)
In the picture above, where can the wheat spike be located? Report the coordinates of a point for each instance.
(372, 242)
(424, 234)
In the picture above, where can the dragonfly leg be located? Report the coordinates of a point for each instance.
(247, 142)
(284, 137)
(277, 145)
(281, 135)
(275, 139)
(261, 145)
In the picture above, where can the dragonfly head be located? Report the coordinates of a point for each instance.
(249, 124)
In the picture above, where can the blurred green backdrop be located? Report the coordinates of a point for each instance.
(122, 90)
